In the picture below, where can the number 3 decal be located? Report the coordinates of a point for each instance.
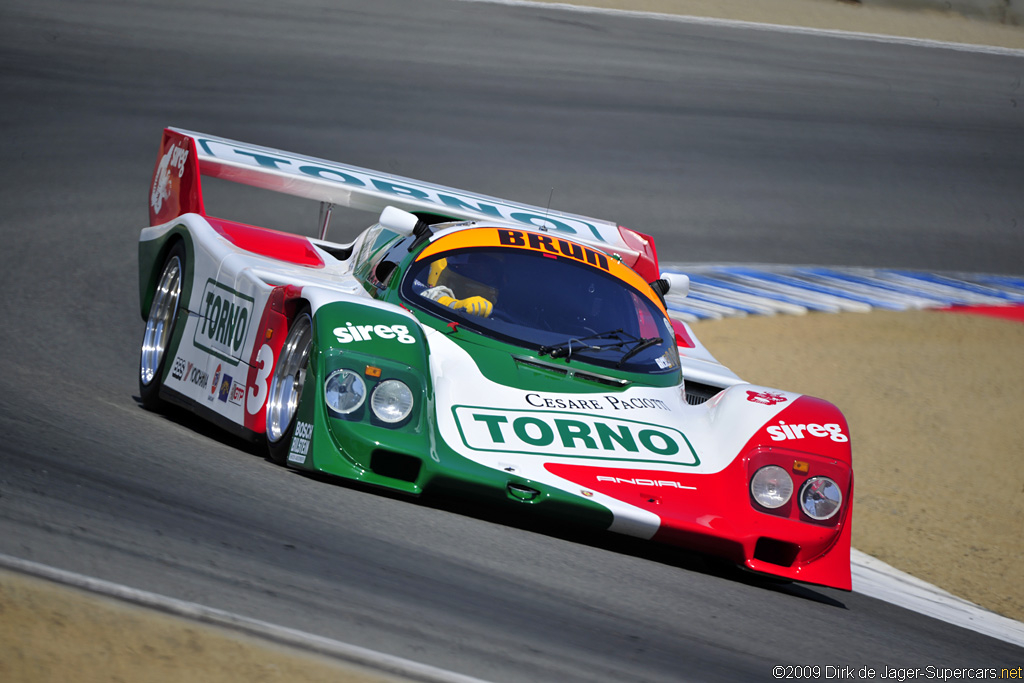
(257, 395)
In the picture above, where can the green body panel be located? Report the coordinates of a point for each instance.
(361, 448)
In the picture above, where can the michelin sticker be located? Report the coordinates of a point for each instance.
(572, 435)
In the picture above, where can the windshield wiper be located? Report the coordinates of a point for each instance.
(641, 344)
(565, 349)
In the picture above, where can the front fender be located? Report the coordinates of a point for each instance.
(379, 343)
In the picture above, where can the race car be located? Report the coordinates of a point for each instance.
(479, 346)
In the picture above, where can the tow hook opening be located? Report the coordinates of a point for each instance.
(776, 552)
(522, 493)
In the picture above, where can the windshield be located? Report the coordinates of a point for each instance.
(554, 305)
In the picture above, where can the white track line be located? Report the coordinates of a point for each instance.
(754, 26)
(876, 579)
(871, 577)
(352, 654)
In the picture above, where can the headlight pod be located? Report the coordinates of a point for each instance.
(391, 401)
(771, 487)
(820, 498)
(344, 391)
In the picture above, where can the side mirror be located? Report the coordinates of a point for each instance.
(396, 220)
(678, 283)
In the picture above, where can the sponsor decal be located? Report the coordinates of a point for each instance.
(599, 403)
(538, 401)
(178, 369)
(786, 432)
(357, 333)
(195, 375)
(406, 189)
(301, 438)
(237, 395)
(637, 481)
(225, 388)
(550, 245)
(214, 383)
(620, 403)
(225, 322)
(766, 398)
(574, 435)
(173, 161)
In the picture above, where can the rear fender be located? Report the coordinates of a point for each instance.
(152, 254)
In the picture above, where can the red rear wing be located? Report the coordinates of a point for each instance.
(185, 156)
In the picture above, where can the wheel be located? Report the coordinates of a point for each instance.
(286, 386)
(163, 313)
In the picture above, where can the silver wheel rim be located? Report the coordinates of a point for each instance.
(160, 320)
(289, 376)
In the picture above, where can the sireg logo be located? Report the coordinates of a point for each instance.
(356, 333)
(786, 432)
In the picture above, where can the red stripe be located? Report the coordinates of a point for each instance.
(1011, 312)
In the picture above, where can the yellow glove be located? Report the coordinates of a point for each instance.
(474, 305)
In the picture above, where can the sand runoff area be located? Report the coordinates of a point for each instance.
(932, 398)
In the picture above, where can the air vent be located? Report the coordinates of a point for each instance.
(529, 362)
(601, 379)
(697, 392)
(395, 465)
(572, 372)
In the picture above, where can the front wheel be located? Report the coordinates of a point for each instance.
(286, 387)
(163, 313)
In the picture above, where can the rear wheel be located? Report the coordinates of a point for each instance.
(163, 313)
(286, 386)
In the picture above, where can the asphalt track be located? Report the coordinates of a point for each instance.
(726, 145)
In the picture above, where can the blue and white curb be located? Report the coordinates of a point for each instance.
(735, 291)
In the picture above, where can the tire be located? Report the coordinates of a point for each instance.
(163, 315)
(286, 386)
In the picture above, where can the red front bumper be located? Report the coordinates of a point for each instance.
(714, 513)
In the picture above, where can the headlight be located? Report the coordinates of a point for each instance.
(391, 401)
(344, 391)
(820, 498)
(771, 487)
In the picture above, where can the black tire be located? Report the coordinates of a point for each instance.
(163, 316)
(286, 386)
